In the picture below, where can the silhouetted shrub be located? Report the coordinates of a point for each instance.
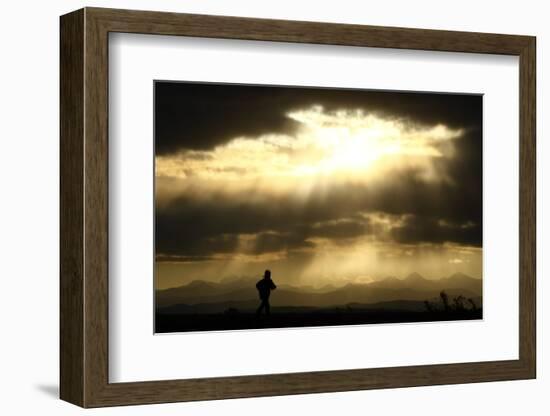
(429, 306)
(231, 312)
(459, 303)
(445, 300)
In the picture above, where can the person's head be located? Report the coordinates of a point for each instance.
(267, 274)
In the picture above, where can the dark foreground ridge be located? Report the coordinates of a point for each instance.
(233, 304)
(281, 318)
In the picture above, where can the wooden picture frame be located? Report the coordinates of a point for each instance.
(84, 207)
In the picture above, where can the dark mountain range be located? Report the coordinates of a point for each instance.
(240, 293)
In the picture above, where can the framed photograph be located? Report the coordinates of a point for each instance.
(327, 195)
(256, 207)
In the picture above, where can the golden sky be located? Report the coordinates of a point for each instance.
(341, 188)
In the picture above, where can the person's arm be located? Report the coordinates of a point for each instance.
(273, 285)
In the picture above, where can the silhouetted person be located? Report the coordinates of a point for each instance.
(265, 286)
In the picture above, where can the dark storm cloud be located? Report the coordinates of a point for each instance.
(270, 242)
(192, 246)
(200, 116)
(431, 230)
(341, 229)
(199, 227)
(181, 259)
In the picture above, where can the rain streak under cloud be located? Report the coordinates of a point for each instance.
(319, 185)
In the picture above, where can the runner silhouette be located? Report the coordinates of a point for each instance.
(265, 286)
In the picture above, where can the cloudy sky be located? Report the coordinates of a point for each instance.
(319, 185)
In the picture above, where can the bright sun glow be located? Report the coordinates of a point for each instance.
(294, 171)
(354, 140)
(326, 147)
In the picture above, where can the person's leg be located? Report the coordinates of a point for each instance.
(261, 307)
(267, 307)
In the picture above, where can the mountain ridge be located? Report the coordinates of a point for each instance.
(413, 287)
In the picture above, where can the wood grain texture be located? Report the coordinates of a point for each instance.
(162, 23)
(527, 207)
(84, 207)
(96, 217)
(71, 185)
